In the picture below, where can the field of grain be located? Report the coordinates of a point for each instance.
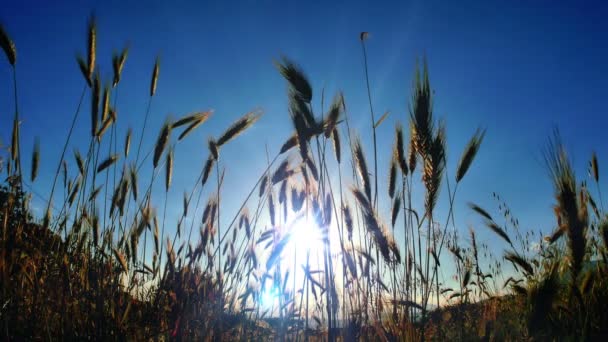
(100, 262)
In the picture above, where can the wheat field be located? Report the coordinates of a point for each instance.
(308, 255)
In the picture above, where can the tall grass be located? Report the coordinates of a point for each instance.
(82, 270)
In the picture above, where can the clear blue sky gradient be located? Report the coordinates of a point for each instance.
(517, 68)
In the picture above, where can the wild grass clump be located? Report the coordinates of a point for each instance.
(87, 270)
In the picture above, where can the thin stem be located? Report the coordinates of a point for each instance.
(371, 110)
(65, 146)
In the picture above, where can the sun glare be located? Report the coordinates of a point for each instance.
(306, 236)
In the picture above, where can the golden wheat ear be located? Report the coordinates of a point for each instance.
(84, 69)
(362, 168)
(118, 62)
(469, 154)
(95, 104)
(399, 150)
(155, 72)
(107, 162)
(168, 169)
(392, 178)
(412, 153)
(518, 260)
(296, 78)
(15, 141)
(207, 169)
(333, 115)
(335, 137)
(395, 209)
(594, 168)
(161, 142)
(6, 43)
(238, 127)
(128, 141)
(91, 45)
(35, 159)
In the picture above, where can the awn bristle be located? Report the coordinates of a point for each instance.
(35, 159)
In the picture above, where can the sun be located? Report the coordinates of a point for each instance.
(306, 236)
(304, 248)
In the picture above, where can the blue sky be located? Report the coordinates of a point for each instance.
(517, 68)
